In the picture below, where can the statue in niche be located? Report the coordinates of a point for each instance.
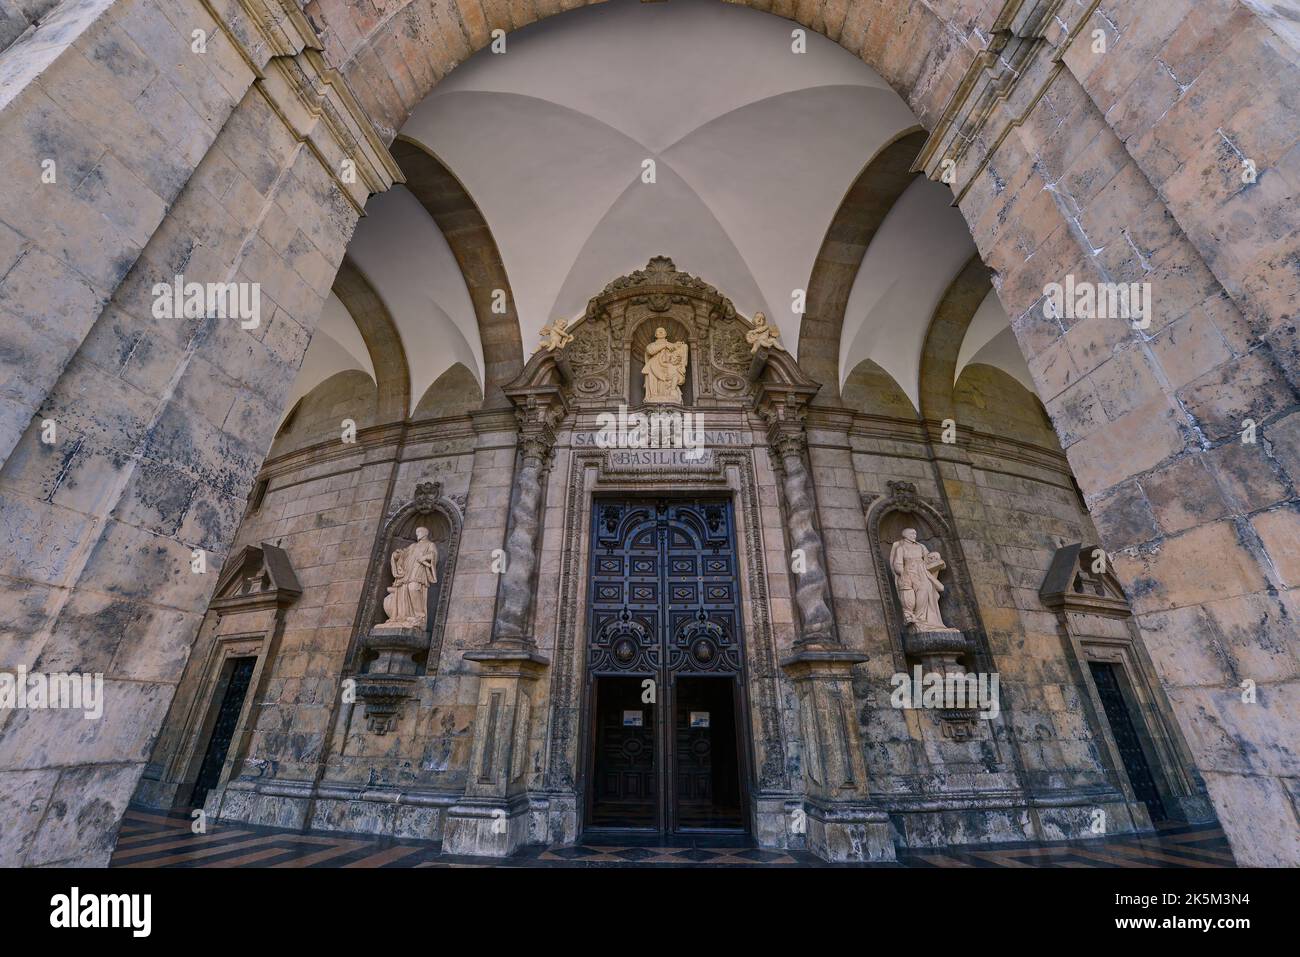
(554, 336)
(665, 369)
(415, 568)
(763, 336)
(916, 574)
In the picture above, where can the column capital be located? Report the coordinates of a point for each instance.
(537, 415)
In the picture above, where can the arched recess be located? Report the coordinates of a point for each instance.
(471, 242)
(455, 392)
(988, 399)
(947, 331)
(976, 395)
(871, 390)
(430, 508)
(861, 212)
(318, 415)
(382, 340)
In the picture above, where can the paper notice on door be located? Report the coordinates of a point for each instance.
(699, 719)
(634, 719)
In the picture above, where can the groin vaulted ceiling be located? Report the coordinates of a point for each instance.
(753, 148)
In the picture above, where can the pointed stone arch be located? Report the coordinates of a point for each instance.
(471, 241)
(952, 317)
(392, 375)
(861, 212)
(1016, 412)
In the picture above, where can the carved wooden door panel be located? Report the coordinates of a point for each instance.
(624, 789)
(664, 607)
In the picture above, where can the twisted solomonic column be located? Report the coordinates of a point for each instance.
(812, 594)
(515, 598)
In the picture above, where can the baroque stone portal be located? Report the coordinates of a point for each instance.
(665, 369)
(415, 568)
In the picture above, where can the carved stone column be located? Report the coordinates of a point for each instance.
(515, 592)
(812, 593)
(837, 818)
(493, 819)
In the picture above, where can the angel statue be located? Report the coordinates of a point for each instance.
(665, 369)
(553, 336)
(763, 336)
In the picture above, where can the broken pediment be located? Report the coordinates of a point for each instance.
(601, 365)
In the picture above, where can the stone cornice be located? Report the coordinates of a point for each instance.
(263, 29)
(313, 99)
(1000, 87)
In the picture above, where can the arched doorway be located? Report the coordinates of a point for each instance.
(665, 706)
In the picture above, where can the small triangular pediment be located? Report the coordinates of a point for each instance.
(1080, 578)
(258, 574)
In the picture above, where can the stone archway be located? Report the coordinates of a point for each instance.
(860, 215)
(1115, 165)
(381, 337)
(470, 238)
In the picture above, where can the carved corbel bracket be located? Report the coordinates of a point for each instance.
(383, 696)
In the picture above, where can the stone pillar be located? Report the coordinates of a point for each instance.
(837, 817)
(492, 819)
(512, 628)
(812, 594)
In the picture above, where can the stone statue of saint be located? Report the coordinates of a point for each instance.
(763, 336)
(664, 369)
(916, 573)
(554, 337)
(415, 568)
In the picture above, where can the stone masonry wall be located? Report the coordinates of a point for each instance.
(1119, 165)
(162, 424)
(1129, 169)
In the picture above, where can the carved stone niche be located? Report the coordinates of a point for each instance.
(642, 336)
(608, 348)
(942, 652)
(390, 660)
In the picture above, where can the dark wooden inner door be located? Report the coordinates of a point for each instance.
(625, 783)
(665, 696)
(1123, 727)
(707, 754)
(223, 729)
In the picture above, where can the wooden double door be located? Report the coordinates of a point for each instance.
(666, 741)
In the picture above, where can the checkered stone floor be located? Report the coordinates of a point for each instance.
(160, 839)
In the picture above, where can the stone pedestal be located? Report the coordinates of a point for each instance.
(840, 823)
(392, 676)
(492, 819)
(938, 649)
